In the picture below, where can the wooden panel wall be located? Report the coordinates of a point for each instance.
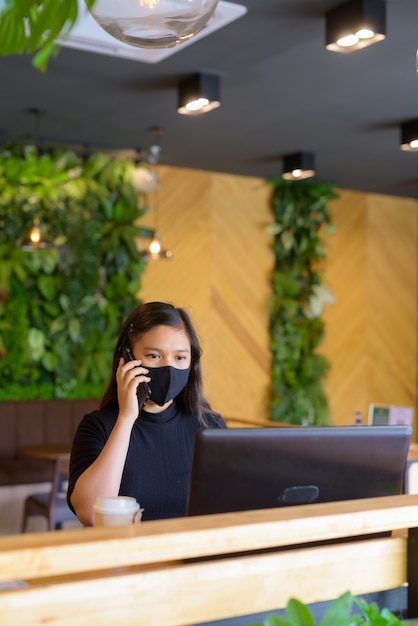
(215, 225)
(392, 323)
(220, 272)
(346, 321)
(371, 336)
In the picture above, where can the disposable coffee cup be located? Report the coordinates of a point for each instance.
(117, 511)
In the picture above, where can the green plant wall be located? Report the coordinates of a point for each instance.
(301, 218)
(61, 307)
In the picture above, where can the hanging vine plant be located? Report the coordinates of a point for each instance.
(301, 218)
(62, 306)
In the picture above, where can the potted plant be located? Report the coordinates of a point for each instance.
(339, 613)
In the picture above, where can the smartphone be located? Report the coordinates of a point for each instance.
(143, 391)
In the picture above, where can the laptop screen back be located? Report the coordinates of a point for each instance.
(239, 469)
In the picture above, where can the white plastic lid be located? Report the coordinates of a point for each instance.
(119, 504)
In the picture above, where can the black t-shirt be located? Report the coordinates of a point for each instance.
(158, 463)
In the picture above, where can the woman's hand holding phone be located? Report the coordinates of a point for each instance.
(142, 390)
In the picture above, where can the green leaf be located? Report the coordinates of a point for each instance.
(272, 620)
(12, 34)
(26, 25)
(74, 329)
(47, 286)
(276, 620)
(57, 325)
(338, 611)
(287, 239)
(64, 301)
(41, 58)
(36, 343)
(299, 614)
(50, 361)
(376, 617)
(274, 229)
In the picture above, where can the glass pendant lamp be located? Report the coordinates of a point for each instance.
(153, 23)
(155, 250)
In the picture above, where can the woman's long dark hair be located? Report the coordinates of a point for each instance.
(143, 319)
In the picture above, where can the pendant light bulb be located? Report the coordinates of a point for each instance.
(155, 249)
(35, 239)
(35, 234)
(155, 245)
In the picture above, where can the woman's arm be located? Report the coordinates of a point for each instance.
(102, 478)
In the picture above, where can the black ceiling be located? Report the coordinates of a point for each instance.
(281, 92)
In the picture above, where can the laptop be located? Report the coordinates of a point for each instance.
(239, 469)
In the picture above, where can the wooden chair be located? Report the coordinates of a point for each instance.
(53, 504)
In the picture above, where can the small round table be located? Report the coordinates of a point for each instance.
(49, 451)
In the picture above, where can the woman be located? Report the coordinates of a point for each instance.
(144, 452)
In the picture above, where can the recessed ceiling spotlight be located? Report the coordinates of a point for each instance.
(409, 136)
(199, 94)
(298, 165)
(355, 25)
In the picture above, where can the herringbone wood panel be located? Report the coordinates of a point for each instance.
(221, 270)
(345, 322)
(240, 289)
(371, 332)
(392, 287)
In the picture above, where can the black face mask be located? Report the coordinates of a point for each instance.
(166, 383)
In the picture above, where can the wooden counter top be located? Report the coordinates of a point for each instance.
(163, 573)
